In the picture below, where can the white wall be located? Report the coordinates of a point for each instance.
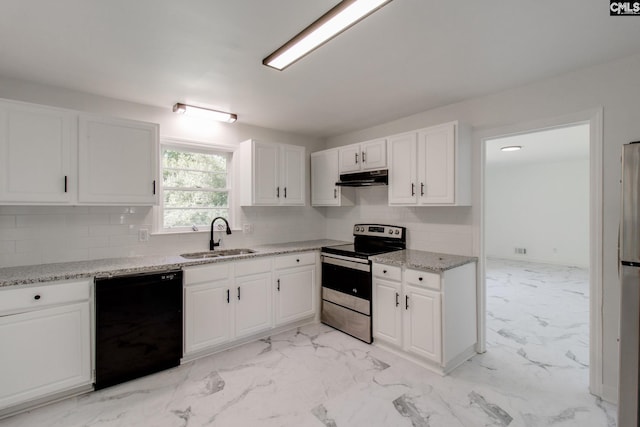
(611, 86)
(32, 234)
(543, 207)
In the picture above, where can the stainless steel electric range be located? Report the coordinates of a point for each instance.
(346, 277)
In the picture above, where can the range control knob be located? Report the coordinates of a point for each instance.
(390, 231)
(357, 228)
(397, 232)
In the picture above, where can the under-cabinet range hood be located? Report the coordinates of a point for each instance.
(364, 179)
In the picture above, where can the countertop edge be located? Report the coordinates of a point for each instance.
(143, 264)
(435, 262)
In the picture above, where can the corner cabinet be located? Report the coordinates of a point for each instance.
(117, 161)
(37, 154)
(324, 175)
(364, 156)
(431, 167)
(45, 332)
(426, 317)
(271, 174)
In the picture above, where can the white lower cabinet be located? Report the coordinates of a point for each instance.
(45, 333)
(422, 324)
(228, 301)
(295, 287)
(428, 317)
(253, 304)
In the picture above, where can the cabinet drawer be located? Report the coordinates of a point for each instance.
(42, 295)
(422, 279)
(246, 268)
(295, 260)
(387, 272)
(206, 273)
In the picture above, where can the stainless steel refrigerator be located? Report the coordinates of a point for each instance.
(629, 253)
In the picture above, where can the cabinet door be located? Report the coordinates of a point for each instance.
(387, 313)
(422, 323)
(266, 175)
(295, 294)
(292, 183)
(43, 352)
(36, 146)
(374, 154)
(207, 315)
(324, 175)
(350, 158)
(436, 165)
(117, 161)
(253, 304)
(402, 169)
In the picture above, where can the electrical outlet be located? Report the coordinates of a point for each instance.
(247, 228)
(143, 235)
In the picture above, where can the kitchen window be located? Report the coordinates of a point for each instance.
(195, 187)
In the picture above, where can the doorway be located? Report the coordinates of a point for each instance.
(540, 246)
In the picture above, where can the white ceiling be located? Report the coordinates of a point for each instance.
(410, 56)
(566, 143)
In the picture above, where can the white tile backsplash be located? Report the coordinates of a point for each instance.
(46, 234)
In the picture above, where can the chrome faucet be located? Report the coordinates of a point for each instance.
(212, 243)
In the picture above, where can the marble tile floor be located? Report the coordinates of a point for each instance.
(534, 373)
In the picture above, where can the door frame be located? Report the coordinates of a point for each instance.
(594, 118)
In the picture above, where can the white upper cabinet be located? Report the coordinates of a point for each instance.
(403, 169)
(117, 161)
(37, 147)
(270, 174)
(364, 156)
(324, 175)
(431, 167)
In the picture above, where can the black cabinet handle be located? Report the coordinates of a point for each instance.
(413, 189)
(422, 188)
(406, 302)
(154, 187)
(285, 192)
(364, 159)
(228, 299)
(278, 285)
(397, 299)
(335, 193)
(66, 182)
(36, 297)
(238, 293)
(384, 271)
(278, 192)
(356, 158)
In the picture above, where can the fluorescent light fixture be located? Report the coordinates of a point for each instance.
(511, 148)
(204, 113)
(344, 15)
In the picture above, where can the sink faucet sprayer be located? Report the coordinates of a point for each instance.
(213, 244)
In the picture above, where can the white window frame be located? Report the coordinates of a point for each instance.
(200, 147)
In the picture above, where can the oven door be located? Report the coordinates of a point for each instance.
(347, 276)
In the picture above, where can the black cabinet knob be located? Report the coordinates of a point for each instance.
(384, 271)
(420, 278)
(36, 297)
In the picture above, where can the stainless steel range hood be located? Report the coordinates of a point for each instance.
(364, 179)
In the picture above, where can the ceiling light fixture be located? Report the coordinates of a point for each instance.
(511, 148)
(343, 16)
(204, 113)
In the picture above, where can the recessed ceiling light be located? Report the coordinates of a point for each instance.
(344, 15)
(511, 148)
(204, 113)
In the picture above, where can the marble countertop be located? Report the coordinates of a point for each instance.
(422, 260)
(12, 276)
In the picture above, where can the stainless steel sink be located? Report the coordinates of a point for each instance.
(216, 254)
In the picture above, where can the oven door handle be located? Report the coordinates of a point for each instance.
(347, 264)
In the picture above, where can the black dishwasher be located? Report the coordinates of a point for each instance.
(138, 326)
